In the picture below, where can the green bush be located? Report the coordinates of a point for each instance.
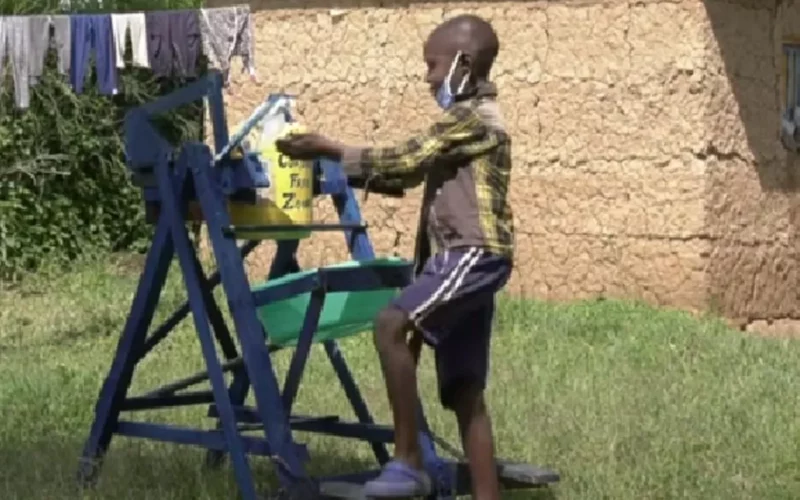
(64, 189)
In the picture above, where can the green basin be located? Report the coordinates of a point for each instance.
(344, 313)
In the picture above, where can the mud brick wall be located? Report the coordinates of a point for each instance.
(646, 155)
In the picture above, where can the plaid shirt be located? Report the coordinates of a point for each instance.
(465, 159)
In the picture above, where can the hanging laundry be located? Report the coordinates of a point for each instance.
(93, 32)
(227, 32)
(40, 44)
(62, 37)
(244, 44)
(15, 42)
(4, 30)
(135, 24)
(173, 42)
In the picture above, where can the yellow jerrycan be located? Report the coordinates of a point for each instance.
(290, 196)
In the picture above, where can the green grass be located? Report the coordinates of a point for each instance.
(626, 401)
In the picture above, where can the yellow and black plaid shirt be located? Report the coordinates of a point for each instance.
(465, 160)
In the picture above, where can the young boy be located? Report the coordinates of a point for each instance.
(464, 244)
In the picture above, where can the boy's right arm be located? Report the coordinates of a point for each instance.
(460, 131)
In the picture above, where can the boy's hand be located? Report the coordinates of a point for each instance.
(306, 146)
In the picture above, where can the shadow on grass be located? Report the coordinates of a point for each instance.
(138, 469)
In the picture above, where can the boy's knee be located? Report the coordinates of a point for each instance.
(390, 326)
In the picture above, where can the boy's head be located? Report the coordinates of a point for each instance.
(462, 48)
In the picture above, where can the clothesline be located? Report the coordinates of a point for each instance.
(169, 42)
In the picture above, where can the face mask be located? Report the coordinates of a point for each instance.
(445, 96)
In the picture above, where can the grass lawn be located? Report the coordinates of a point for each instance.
(626, 401)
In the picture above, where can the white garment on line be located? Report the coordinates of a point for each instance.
(135, 23)
(15, 43)
(24, 43)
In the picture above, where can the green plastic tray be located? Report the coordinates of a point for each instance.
(344, 313)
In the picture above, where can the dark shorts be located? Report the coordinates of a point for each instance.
(451, 303)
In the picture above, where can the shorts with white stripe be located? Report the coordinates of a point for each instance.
(451, 302)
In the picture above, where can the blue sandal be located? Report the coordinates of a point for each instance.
(399, 480)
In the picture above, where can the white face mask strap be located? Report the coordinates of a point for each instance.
(463, 84)
(453, 66)
(448, 81)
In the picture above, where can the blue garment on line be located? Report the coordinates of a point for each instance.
(93, 32)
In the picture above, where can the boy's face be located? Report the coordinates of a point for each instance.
(439, 57)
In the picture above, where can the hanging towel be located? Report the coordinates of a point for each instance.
(62, 38)
(173, 42)
(135, 24)
(15, 41)
(40, 44)
(93, 32)
(227, 32)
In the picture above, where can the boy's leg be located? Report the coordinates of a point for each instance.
(451, 285)
(462, 364)
(475, 427)
(404, 476)
(400, 375)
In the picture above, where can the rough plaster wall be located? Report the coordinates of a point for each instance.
(752, 210)
(608, 194)
(643, 134)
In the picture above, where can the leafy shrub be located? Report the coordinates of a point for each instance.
(64, 189)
